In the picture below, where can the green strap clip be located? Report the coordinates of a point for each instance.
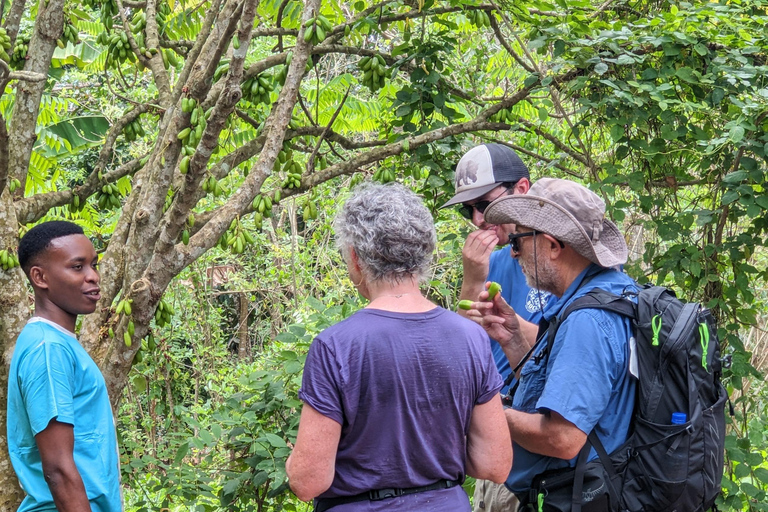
(704, 335)
(656, 326)
(541, 502)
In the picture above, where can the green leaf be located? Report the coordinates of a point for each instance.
(736, 134)
(687, 74)
(292, 367)
(275, 440)
(260, 478)
(761, 474)
(77, 132)
(530, 80)
(181, 453)
(601, 68)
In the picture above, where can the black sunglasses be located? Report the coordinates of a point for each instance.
(514, 240)
(515, 244)
(466, 209)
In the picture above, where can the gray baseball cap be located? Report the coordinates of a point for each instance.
(483, 168)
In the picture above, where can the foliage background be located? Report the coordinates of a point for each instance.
(659, 106)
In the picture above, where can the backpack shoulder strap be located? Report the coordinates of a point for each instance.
(593, 299)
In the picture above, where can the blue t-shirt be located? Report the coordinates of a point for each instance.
(52, 376)
(526, 301)
(585, 379)
(402, 386)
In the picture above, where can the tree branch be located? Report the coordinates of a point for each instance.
(31, 209)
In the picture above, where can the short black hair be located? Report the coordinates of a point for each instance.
(37, 240)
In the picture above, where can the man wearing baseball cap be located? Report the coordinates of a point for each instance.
(566, 246)
(485, 173)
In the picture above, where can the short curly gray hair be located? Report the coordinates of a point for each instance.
(390, 229)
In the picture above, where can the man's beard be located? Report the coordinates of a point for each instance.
(543, 269)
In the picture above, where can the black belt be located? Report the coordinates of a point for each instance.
(322, 504)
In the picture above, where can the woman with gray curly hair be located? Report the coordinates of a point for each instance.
(401, 399)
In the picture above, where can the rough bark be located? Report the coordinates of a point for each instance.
(14, 311)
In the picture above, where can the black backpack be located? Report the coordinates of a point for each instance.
(673, 458)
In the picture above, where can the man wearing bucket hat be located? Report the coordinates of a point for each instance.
(581, 383)
(485, 173)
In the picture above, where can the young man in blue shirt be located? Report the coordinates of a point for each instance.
(61, 430)
(485, 173)
(565, 245)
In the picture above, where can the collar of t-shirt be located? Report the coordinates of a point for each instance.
(35, 319)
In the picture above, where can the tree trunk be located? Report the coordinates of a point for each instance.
(14, 311)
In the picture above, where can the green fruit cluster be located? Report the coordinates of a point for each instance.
(283, 156)
(280, 76)
(212, 186)
(108, 197)
(190, 136)
(262, 205)
(124, 306)
(316, 29)
(118, 48)
(479, 18)
(185, 232)
(257, 89)
(77, 204)
(69, 35)
(13, 185)
(148, 345)
(293, 172)
(133, 130)
(169, 59)
(374, 72)
(20, 49)
(163, 313)
(8, 260)
(310, 209)
(108, 12)
(138, 22)
(504, 116)
(384, 175)
(221, 70)
(5, 45)
(237, 238)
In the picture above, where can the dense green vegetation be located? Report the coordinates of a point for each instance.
(206, 146)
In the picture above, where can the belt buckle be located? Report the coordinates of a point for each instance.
(382, 494)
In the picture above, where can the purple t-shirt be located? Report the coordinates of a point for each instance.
(402, 386)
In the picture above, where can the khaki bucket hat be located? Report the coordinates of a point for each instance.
(567, 211)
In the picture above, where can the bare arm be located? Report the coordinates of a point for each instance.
(489, 447)
(545, 434)
(56, 445)
(312, 465)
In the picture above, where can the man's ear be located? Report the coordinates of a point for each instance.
(555, 249)
(38, 278)
(522, 186)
